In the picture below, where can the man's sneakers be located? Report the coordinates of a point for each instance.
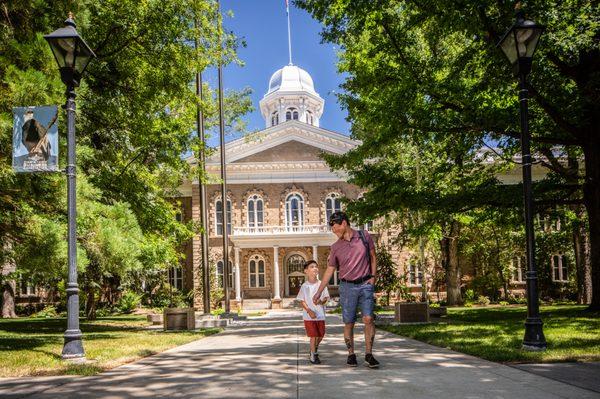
(352, 360)
(370, 361)
(314, 358)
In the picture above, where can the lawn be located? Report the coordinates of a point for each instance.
(32, 346)
(496, 333)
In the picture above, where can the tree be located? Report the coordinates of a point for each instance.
(430, 70)
(387, 273)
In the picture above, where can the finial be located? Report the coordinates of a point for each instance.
(70, 20)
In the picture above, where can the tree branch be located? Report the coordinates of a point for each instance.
(553, 112)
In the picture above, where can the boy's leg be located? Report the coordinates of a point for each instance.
(313, 344)
(318, 341)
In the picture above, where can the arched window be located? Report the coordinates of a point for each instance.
(560, 271)
(291, 113)
(219, 216)
(309, 118)
(274, 118)
(414, 274)
(294, 210)
(255, 211)
(295, 263)
(333, 204)
(256, 271)
(220, 273)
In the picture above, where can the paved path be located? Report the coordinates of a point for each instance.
(267, 358)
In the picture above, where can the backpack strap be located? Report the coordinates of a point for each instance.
(361, 234)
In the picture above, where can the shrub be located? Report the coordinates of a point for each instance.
(129, 302)
(469, 295)
(47, 312)
(483, 300)
(468, 304)
(503, 303)
(434, 305)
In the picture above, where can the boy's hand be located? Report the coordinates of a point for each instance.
(311, 313)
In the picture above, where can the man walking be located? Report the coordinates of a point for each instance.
(354, 256)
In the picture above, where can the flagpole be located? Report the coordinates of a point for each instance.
(287, 8)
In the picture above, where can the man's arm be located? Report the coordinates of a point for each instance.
(326, 277)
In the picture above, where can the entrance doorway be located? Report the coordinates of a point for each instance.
(295, 274)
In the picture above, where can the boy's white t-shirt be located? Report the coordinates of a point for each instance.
(307, 291)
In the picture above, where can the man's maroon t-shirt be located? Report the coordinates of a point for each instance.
(351, 257)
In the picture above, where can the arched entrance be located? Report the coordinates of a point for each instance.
(295, 273)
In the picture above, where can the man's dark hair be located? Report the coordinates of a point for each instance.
(308, 263)
(338, 217)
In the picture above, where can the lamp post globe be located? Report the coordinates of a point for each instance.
(73, 56)
(519, 44)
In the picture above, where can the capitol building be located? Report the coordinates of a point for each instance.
(280, 195)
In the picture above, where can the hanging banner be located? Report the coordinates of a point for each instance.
(35, 139)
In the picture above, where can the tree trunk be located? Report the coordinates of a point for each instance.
(8, 299)
(90, 304)
(591, 197)
(9, 287)
(451, 263)
(581, 244)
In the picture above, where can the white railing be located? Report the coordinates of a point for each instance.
(274, 230)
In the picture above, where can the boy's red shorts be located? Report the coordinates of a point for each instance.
(315, 328)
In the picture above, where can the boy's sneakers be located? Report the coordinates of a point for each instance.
(314, 358)
(352, 360)
(370, 361)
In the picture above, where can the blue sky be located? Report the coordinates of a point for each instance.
(263, 25)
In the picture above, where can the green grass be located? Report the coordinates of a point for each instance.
(496, 333)
(30, 346)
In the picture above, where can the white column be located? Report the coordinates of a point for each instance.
(276, 272)
(315, 253)
(238, 291)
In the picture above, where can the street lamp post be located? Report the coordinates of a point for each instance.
(72, 55)
(519, 44)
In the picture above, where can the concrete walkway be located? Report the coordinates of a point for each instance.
(267, 358)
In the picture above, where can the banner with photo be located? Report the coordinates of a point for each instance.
(35, 139)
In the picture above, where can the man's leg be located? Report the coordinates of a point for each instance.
(349, 337)
(369, 333)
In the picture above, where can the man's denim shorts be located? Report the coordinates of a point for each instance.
(354, 295)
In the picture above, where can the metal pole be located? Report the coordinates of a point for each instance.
(73, 346)
(202, 193)
(534, 335)
(223, 175)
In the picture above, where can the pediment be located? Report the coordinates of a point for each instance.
(286, 152)
(289, 141)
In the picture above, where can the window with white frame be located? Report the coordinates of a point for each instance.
(294, 210)
(518, 270)
(368, 226)
(274, 118)
(176, 278)
(415, 275)
(295, 263)
(220, 264)
(560, 271)
(256, 271)
(309, 118)
(26, 288)
(333, 203)
(255, 211)
(291, 113)
(219, 216)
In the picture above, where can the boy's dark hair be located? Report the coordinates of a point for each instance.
(308, 263)
(338, 217)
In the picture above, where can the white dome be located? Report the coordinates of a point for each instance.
(291, 78)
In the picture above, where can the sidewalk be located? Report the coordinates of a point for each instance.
(268, 358)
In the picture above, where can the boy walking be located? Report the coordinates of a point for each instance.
(314, 311)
